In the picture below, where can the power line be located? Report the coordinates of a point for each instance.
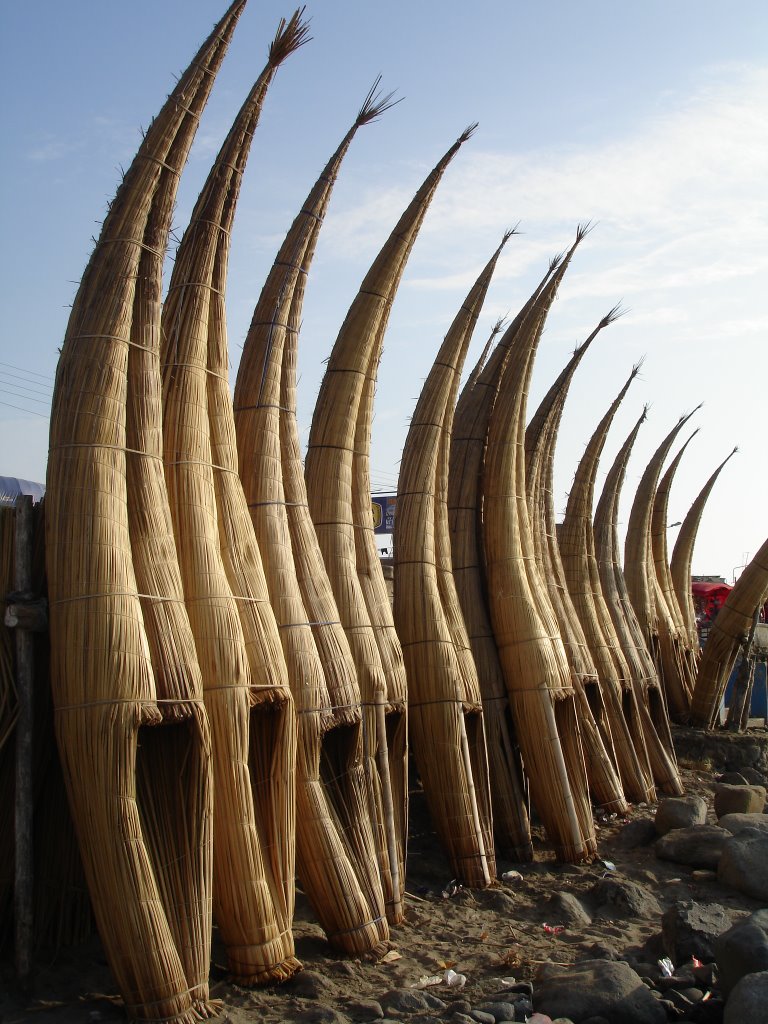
(13, 384)
(30, 411)
(37, 401)
(33, 373)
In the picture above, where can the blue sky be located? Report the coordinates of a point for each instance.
(648, 119)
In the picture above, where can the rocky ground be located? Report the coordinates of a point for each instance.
(555, 940)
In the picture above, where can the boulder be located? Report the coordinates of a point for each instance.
(636, 833)
(311, 985)
(689, 930)
(743, 949)
(698, 846)
(616, 898)
(597, 988)
(364, 1010)
(498, 1011)
(410, 1000)
(749, 1000)
(733, 779)
(680, 812)
(565, 908)
(736, 822)
(739, 800)
(744, 863)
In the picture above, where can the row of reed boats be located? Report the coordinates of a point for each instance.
(234, 694)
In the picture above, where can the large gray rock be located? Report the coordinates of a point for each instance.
(739, 800)
(312, 985)
(744, 863)
(410, 1000)
(689, 929)
(680, 812)
(698, 846)
(498, 1010)
(743, 949)
(616, 898)
(565, 908)
(749, 1001)
(736, 822)
(364, 1009)
(636, 833)
(597, 988)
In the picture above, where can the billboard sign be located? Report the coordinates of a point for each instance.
(383, 508)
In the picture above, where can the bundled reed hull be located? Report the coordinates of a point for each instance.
(329, 469)
(540, 441)
(728, 631)
(244, 674)
(644, 677)
(662, 634)
(665, 590)
(149, 877)
(682, 553)
(336, 853)
(577, 549)
(391, 794)
(508, 783)
(444, 696)
(527, 637)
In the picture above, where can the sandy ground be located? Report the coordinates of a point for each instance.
(487, 936)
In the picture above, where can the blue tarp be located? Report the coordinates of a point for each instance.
(11, 487)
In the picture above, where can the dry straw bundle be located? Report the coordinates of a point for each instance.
(470, 427)
(682, 553)
(392, 720)
(142, 813)
(244, 674)
(530, 647)
(540, 442)
(644, 676)
(335, 848)
(661, 632)
(577, 549)
(689, 649)
(444, 696)
(732, 625)
(330, 465)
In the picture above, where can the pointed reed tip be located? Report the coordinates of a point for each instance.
(508, 234)
(637, 368)
(582, 230)
(613, 314)
(376, 104)
(498, 326)
(289, 37)
(468, 132)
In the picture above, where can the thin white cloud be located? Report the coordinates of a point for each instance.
(692, 179)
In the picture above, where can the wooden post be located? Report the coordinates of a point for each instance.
(23, 907)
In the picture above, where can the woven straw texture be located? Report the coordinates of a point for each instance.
(732, 624)
(142, 813)
(530, 647)
(682, 553)
(244, 676)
